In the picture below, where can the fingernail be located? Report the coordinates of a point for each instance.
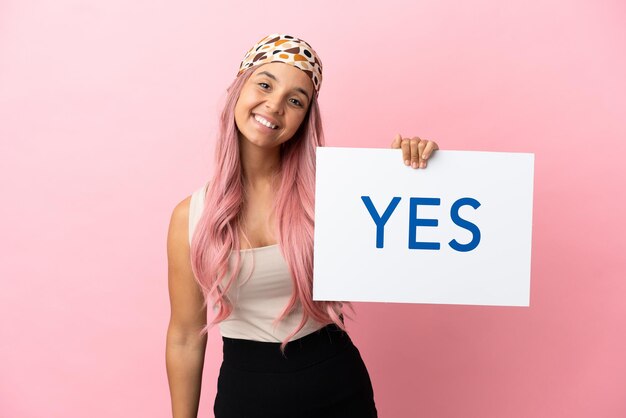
(414, 165)
(407, 162)
(423, 165)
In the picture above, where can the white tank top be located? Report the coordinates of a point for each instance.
(260, 292)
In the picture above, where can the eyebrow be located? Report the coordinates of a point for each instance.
(270, 75)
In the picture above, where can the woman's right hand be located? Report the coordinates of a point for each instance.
(415, 151)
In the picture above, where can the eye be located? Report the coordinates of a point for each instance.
(264, 86)
(296, 102)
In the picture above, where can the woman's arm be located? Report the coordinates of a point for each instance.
(184, 352)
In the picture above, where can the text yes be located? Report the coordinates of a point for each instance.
(414, 222)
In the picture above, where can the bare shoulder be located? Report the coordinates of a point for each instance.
(180, 219)
(178, 251)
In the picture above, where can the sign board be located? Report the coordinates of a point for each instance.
(457, 232)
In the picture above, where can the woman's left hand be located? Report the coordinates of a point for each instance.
(415, 151)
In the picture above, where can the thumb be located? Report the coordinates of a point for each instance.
(397, 140)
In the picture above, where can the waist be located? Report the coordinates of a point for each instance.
(303, 352)
(261, 327)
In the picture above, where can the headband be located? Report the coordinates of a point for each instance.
(288, 49)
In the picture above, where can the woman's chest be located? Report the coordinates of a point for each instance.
(257, 223)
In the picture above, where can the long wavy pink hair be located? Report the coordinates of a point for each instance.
(216, 236)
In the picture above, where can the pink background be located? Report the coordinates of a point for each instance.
(108, 111)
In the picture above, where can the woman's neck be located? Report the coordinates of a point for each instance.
(259, 165)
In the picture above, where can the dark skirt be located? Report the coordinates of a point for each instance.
(321, 375)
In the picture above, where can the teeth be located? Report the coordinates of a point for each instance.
(265, 122)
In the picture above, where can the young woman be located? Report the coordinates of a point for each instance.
(243, 243)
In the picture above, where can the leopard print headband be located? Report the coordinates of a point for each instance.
(288, 49)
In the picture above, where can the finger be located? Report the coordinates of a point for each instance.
(415, 156)
(396, 141)
(421, 147)
(428, 150)
(406, 151)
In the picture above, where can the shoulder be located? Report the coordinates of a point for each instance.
(181, 210)
(187, 213)
(179, 221)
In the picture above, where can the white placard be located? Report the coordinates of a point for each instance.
(481, 203)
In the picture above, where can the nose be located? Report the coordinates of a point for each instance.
(273, 103)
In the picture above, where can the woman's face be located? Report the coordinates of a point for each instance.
(272, 104)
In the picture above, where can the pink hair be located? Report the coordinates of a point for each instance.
(217, 234)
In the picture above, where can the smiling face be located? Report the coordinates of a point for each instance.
(272, 104)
